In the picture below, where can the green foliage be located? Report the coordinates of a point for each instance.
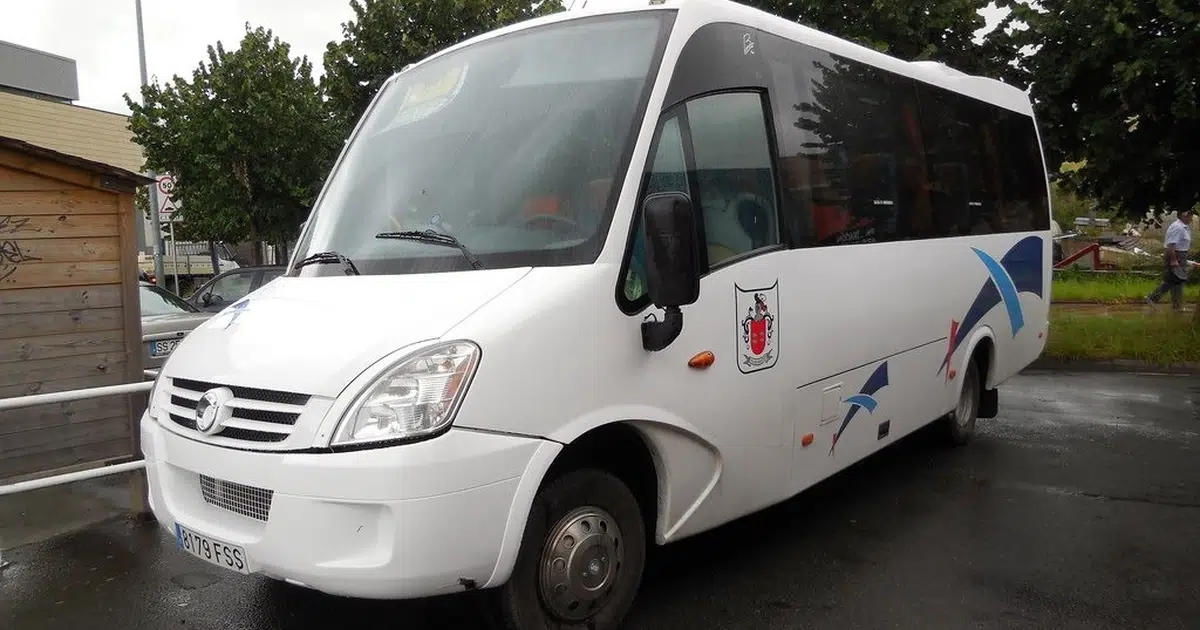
(940, 30)
(1111, 288)
(387, 35)
(141, 201)
(1160, 338)
(1067, 205)
(248, 140)
(1117, 85)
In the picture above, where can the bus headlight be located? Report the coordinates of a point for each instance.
(417, 397)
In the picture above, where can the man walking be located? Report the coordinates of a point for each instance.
(1178, 241)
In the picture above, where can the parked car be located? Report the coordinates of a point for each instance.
(166, 319)
(231, 286)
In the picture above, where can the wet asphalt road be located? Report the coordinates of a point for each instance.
(1078, 508)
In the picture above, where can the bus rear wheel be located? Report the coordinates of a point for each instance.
(960, 424)
(581, 558)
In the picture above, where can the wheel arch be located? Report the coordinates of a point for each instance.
(669, 469)
(982, 351)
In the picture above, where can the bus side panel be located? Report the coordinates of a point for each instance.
(919, 222)
(871, 331)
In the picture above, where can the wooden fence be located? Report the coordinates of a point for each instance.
(69, 308)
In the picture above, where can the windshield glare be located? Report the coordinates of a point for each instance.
(157, 301)
(515, 146)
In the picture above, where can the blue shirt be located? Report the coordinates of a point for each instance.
(1179, 234)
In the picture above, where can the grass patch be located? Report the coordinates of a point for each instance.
(1161, 338)
(1111, 288)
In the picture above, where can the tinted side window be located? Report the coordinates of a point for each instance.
(1023, 203)
(986, 167)
(851, 159)
(962, 164)
(866, 155)
(734, 178)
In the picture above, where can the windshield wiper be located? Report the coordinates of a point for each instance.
(436, 238)
(321, 258)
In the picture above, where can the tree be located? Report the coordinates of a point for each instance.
(939, 30)
(387, 35)
(248, 140)
(1116, 86)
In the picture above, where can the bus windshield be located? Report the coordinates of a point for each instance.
(515, 146)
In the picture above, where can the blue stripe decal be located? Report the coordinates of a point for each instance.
(1008, 291)
(864, 401)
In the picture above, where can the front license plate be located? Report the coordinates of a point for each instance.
(163, 348)
(211, 550)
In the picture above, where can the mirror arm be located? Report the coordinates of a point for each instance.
(658, 335)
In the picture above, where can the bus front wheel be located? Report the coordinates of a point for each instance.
(581, 558)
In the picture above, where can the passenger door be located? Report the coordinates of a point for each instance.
(715, 149)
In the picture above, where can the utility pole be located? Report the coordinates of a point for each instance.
(156, 227)
(138, 486)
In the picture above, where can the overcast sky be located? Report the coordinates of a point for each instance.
(101, 35)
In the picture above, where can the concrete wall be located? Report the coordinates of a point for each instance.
(38, 72)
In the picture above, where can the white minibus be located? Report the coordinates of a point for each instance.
(599, 281)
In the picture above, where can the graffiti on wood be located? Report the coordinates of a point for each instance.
(11, 254)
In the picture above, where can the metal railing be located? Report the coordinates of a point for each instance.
(21, 402)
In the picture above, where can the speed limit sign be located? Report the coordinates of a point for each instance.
(167, 206)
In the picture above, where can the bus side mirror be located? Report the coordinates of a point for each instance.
(672, 266)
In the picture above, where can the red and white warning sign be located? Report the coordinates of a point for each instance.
(167, 207)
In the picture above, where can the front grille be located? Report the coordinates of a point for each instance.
(237, 498)
(249, 393)
(258, 415)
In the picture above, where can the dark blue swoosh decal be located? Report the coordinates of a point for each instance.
(1008, 291)
(1019, 271)
(877, 381)
(1024, 265)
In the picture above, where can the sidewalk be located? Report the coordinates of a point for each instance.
(37, 515)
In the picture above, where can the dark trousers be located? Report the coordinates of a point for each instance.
(1171, 282)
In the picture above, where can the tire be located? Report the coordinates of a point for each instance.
(960, 423)
(600, 572)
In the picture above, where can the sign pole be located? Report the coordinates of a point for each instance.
(156, 239)
(174, 256)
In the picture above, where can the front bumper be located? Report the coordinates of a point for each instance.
(407, 521)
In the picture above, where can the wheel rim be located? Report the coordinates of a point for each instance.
(580, 563)
(968, 401)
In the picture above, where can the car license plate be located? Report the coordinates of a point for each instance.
(211, 550)
(163, 348)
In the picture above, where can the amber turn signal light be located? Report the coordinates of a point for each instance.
(702, 360)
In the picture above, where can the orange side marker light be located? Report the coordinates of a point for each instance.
(702, 360)
(806, 440)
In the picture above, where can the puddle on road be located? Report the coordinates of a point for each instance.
(1064, 406)
(1084, 494)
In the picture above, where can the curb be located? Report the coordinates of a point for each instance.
(1111, 365)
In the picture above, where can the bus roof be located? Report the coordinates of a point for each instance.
(935, 73)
